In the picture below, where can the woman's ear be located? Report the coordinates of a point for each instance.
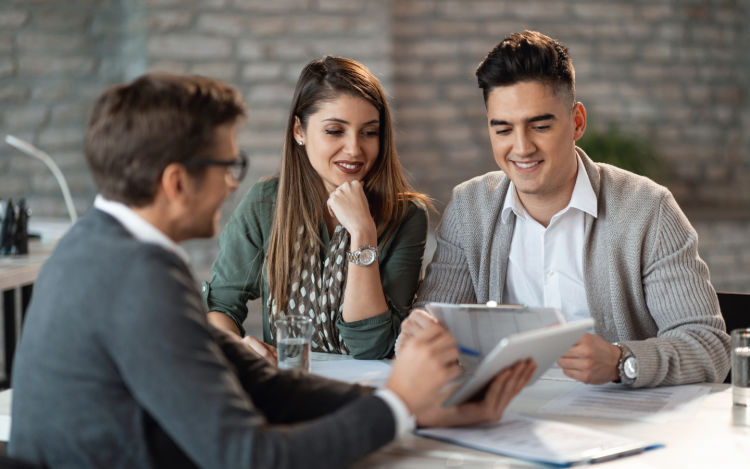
(299, 133)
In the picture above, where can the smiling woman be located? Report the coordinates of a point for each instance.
(307, 240)
(341, 140)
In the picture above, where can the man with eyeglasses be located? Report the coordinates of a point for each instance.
(237, 168)
(117, 365)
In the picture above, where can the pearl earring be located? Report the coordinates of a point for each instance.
(299, 142)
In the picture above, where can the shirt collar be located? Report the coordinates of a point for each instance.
(583, 197)
(138, 226)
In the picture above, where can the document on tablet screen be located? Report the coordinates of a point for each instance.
(480, 327)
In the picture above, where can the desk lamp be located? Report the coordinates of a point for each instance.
(31, 150)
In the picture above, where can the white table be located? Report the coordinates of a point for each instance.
(704, 437)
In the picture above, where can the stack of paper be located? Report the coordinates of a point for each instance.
(543, 441)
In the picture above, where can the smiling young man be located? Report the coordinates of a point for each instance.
(118, 366)
(556, 229)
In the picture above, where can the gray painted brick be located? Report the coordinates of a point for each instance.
(224, 24)
(166, 3)
(319, 25)
(12, 18)
(170, 66)
(416, 8)
(341, 6)
(673, 71)
(70, 113)
(473, 9)
(268, 27)
(61, 137)
(168, 21)
(250, 49)
(539, 10)
(6, 43)
(47, 42)
(409, 30)
(61, 19)
(12, 187)
(7, 67)
(269, 93)
(272, 6)
(619, 11)
(12, 92)
(45, 66)
(189, 46)
(226, 71)
(259, 72)
(360, 49)
(15, 118)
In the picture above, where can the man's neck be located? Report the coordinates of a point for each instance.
(159, 220)
(542, 207)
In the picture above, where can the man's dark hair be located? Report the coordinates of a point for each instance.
(136, 130)
(528, 56)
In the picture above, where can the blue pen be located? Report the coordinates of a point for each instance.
(468, 351)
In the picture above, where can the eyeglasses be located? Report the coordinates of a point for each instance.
(237, 167)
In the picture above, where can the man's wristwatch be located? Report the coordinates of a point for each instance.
(628, 366)
(364, 256)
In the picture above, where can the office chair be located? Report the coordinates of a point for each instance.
(735, 308)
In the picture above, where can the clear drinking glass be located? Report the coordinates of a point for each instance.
(741, 367)
(293, 337)
(741, 376)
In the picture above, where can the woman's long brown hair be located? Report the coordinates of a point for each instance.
(301, 198)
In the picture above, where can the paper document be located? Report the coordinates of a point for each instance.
(367, 372)
(543, 441)
(480, 327)
(615, 401)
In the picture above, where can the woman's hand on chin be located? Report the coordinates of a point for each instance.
(349, 205)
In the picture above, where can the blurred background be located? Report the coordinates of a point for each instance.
(665, 83)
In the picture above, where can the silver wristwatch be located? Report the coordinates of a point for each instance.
(364, 256)
(628, 366)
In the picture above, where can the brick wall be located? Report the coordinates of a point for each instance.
(55, 57)
(723, 244)
(674, 72)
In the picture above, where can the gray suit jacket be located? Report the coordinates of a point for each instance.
(117, 367)
(646, 286)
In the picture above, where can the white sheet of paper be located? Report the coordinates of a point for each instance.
(367, 372)
(539, 440)
(615, 401)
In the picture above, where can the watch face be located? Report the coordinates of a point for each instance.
(630, 367)
(367, 256)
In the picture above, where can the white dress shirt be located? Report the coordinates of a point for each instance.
(545, 266)
(141, 229)
(144, 231)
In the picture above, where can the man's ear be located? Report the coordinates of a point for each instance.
(173, 181)
(579, 117)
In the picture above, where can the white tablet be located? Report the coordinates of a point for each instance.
(544, 346)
